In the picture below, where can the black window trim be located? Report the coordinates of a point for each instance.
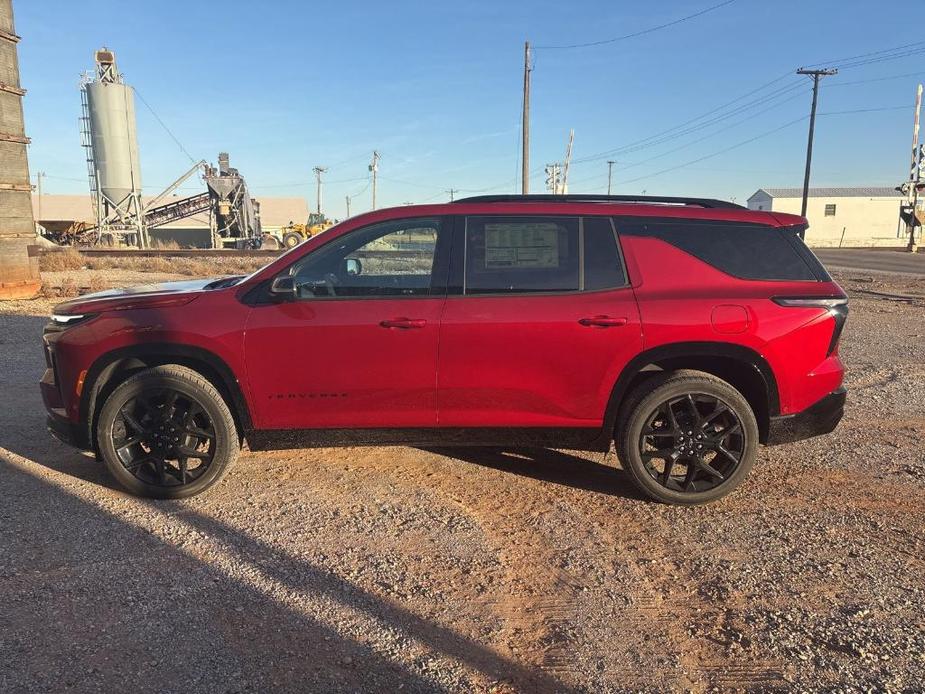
(456, 285)
(439, 273)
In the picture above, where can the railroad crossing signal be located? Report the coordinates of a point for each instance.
(553, 178)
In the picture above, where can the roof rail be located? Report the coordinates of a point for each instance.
(644, 199)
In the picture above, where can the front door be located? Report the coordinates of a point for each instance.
(541, 324)
(357, 346)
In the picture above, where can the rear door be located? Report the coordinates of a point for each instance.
(539, 322)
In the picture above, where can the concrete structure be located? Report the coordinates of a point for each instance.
(861, 217)
(62, 210)
(19, 270)
(110, 134)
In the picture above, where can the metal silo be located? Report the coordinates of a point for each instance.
(113, 162)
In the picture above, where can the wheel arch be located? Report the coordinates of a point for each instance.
(740, 366)
(102, 378)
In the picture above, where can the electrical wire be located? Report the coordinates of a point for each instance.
(758, 137)
(691, 121)
(718, 152)
(838, 61)
(863, 110)
(724, 130)
(643, 32)
(164, 125)
(875, 79)
(677, 133)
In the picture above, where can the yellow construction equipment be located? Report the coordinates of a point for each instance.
(293, 234)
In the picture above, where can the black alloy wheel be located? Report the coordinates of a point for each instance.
(167, 433)
(164, 438)
(692, 443)
(686, 437)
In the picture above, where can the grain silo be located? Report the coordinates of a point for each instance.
(111, 139)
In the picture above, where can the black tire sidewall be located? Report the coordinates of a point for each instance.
(226, 439)
(628, 437)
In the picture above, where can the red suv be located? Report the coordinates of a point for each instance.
(687, 330)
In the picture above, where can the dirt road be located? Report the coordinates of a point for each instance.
(387, 569)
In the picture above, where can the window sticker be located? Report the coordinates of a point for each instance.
(521, 246)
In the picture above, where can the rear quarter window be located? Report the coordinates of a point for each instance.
(746, 251)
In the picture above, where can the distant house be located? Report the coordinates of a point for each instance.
(866, 216)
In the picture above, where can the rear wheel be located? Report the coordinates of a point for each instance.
(166, 433)
(687, 438)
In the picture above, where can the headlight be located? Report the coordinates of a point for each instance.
(67, 320)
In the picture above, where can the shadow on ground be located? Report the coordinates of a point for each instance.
(105, 592)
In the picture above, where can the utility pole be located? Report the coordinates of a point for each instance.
(318, 171)
(815, 74)
(374, 168)
(915, 173)
(525, 125)
(348, 206)
(609, 174)
(452, 192)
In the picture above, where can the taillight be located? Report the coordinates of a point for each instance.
(837, 306)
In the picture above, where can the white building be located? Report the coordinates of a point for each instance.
(859, 217)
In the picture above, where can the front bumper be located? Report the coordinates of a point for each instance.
(818, 419)
(67, 431)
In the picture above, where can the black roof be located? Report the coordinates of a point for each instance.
(642, 199)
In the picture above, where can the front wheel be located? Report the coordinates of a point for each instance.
(687, 438)
(292, 239)
(166, 433)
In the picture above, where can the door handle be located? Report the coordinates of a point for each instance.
(603, 322)
(403, 323)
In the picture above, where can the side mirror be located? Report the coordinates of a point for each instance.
(354, 267)
(283, 288)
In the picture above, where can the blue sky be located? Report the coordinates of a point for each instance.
(436, 88)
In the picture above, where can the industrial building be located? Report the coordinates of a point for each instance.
(19, 271)
(861, 217)
(61, 211)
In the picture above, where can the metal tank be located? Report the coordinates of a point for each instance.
(113, 131)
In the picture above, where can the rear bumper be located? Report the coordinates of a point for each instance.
(820, 418)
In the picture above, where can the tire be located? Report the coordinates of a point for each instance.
(292, 239)
(692, 425)
(166, 433)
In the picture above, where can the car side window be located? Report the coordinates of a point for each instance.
(393, 258)
(602, 262)
(507, 255)
(514, 255)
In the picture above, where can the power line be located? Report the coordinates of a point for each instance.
(875, 79)
(881, 52)
(895, 56)
(639, 33)
(717, 153)
(689, 127)
(723, 131)
(864, 110)
(164, 126)
(753, 139)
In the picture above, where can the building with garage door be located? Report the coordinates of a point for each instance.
(840, 216)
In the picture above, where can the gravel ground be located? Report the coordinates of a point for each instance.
(387, 569)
